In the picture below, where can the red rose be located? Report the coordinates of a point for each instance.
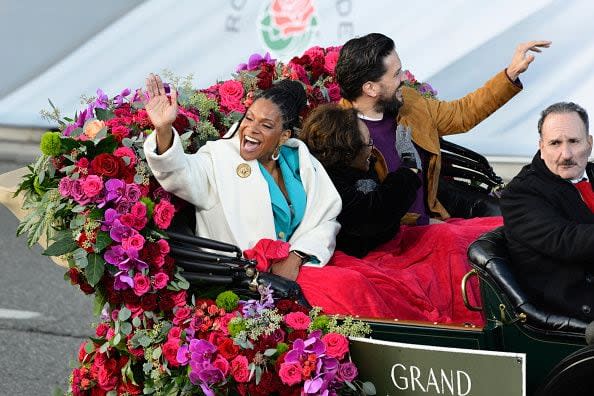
(174, 332)
(106, 165)
(148, 302)
(181, 314)
(82, 353)
(170, 351)
(269, 384)
(333, 92)
(129, 388)
(297, 334)
(337, 345)
(239, 369)
(74, 276)
(101, 329)
(228, 349)
(86, 288)
(330, 61)
(120, 132)
(181, 123)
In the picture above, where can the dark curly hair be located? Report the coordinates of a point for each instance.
(332, 135)
(362, 59)
(290, 97)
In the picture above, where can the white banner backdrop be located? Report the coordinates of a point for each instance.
(455, 45)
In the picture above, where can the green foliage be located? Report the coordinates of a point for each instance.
(236, 326)
(62, 246)
(227, 300)
(51, 144)
(320, 323)
(95, 268)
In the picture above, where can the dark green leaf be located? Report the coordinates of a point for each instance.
(68, 144)
(103, 240)
(62, 246)
(107, 145)
(100, 300)
(95, 268)
(103, 114)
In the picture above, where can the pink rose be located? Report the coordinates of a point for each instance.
(314, 52)
(333, 92)
(231, 92)
(160, 280)
(138, 210)
(297, 320)
(142, 284)
(239, 369)
(290, 373)
(298, 73)
(126, 152)
(347, 371)
(337, 345)
(92, 185)
(134, 242)
(330, 60)
(163, 246)
(174, 332)
(163, 214)
(222, 364)
(65, 186)
(291, 16)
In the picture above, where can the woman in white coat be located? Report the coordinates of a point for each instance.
(256, 182)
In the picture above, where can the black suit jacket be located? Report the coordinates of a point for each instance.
(550, 234)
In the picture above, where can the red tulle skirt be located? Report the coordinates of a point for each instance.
(415, 276)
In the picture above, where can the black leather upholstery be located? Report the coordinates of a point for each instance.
(467, 183)
(489, 256)
(222, 263)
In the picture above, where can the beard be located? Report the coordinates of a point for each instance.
(389, 105)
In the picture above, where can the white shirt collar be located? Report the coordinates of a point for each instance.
(579, 179)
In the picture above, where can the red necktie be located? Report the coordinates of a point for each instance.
(585, 189)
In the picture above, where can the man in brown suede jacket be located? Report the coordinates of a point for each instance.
(370, 76)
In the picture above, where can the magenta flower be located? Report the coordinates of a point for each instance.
(116, 189)
(110, 216)
(119, 231)
(65, 186)
(255, 61)
(123, 281)
(119, 99)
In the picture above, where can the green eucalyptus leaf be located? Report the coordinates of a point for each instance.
(116, 339)
(124, 314)
(368, 388)
(156, 353)
(126, 328)
(136, 321)
(104, 347)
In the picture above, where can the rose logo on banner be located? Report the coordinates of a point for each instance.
(287, 26)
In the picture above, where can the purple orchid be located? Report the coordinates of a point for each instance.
(122, 281)
(110, 216)
(251, 308)
(102, 100)
(116, 189)
(255, 61)
(119, 99)
(115, 255)
(202, 350)
(120, 231)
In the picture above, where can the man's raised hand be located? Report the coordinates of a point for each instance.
(522, 58)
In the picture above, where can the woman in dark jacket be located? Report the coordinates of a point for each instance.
(371, 210)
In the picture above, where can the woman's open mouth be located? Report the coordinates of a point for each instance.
(250, 144)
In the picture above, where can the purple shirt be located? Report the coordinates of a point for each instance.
(383, 133)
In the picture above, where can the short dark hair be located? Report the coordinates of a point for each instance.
(564, 107)
(291, 99)
(360, 60)
(332, 135)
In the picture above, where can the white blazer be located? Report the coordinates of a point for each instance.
(238, 210)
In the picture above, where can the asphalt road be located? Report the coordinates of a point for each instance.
(36, 353)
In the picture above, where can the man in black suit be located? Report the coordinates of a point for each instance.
(548, 211)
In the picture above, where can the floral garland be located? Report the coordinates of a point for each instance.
(93, 196)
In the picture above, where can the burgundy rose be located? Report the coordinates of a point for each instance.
(228, 349)
(106, 165)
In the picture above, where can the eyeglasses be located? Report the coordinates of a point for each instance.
(370, 144)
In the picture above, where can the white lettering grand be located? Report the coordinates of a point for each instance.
(431, 381)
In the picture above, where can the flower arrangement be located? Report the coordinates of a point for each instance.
(92, 195)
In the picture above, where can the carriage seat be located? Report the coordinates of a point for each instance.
(489, 257)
